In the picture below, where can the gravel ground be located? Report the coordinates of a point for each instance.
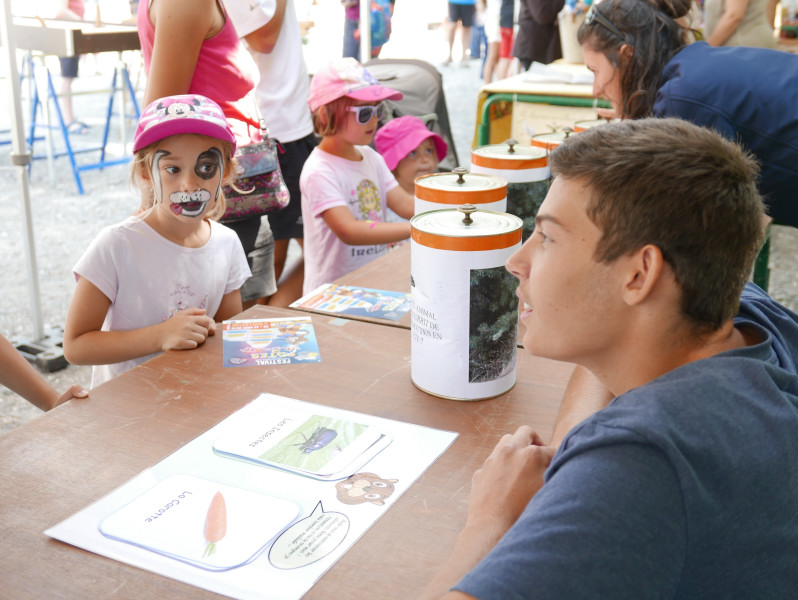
(64, 221)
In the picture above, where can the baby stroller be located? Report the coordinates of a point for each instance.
(422, 86)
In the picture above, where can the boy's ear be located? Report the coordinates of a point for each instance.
(645, 268)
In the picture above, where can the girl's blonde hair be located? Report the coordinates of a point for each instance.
(329, 118)
(141, 167)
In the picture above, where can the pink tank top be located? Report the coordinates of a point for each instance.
(78, 7)
(222, 74)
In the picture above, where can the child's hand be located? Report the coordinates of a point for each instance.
(186, 329)
(75, 391)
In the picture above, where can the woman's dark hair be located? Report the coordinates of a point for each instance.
(651, 29)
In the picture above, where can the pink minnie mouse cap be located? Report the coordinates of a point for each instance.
(173, 115)
(347, 77)
(399, 137)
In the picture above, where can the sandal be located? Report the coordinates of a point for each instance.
(78, 128)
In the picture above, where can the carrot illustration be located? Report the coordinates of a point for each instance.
(215, 523)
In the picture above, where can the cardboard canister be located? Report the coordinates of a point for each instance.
(526, 170)
(464, 325)
(550, 140)
(439, 191)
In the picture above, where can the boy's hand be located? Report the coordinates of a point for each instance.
(186, 329)
(508, 479)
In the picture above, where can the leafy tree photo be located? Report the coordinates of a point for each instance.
(524, 200)
(493, 324)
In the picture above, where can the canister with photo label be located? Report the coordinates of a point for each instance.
(465, 311)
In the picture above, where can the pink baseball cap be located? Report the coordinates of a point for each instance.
(399, 137)
(187, 113)
(347, 77)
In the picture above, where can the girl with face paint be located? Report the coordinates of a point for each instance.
(160, 280)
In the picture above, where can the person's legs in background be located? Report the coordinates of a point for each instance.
(466, 12)
(258, 242)
(351, 44)
(506, 61)
(69, 71)
(450, 27)
(286, 224)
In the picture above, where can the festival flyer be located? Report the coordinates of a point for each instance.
(246, 530)
(259, 342)
(356, 301)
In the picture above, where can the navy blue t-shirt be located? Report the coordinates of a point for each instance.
(686, 487)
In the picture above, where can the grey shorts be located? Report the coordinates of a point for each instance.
(258, 242)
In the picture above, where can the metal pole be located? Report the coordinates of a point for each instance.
(365, 31)
(20, 158)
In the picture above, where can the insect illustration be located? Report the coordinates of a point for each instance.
(317, 440)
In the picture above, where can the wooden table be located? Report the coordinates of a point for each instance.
(68, 38)
(67, 458)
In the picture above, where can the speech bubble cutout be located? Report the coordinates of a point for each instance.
(310, 539)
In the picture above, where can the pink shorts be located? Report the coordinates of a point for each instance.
(506, 45)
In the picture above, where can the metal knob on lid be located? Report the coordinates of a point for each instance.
(467, 210)
(511, 143)
(461, 173)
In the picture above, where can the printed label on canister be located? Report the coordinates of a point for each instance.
(525, 168)
(449, 190)
(465, 311)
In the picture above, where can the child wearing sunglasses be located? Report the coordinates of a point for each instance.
(346, 185)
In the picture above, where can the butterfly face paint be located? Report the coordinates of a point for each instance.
(191, 202)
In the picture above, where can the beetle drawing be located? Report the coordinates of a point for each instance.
(317, 440)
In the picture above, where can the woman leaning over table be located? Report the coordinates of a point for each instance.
(644, 66)
(191, 47)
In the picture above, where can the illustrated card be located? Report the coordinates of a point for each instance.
(318, 446)
(260, 342)
(206, 524)
(356, 301)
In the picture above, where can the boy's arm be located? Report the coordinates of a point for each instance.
(86, 344)
(18, 375)
(363, 233)
(400, 202)
(500, 491)
(583, 396)
(264, 38)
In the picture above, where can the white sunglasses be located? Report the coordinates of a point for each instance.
(366, 113)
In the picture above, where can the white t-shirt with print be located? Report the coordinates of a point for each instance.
(147, 278)
(328, 181)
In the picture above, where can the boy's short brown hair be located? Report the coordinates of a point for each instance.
(681, 187)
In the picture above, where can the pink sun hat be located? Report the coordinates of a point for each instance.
(399, 137)
(186, 113)
(347, 77)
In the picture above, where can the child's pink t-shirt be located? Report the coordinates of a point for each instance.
(328, 181)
